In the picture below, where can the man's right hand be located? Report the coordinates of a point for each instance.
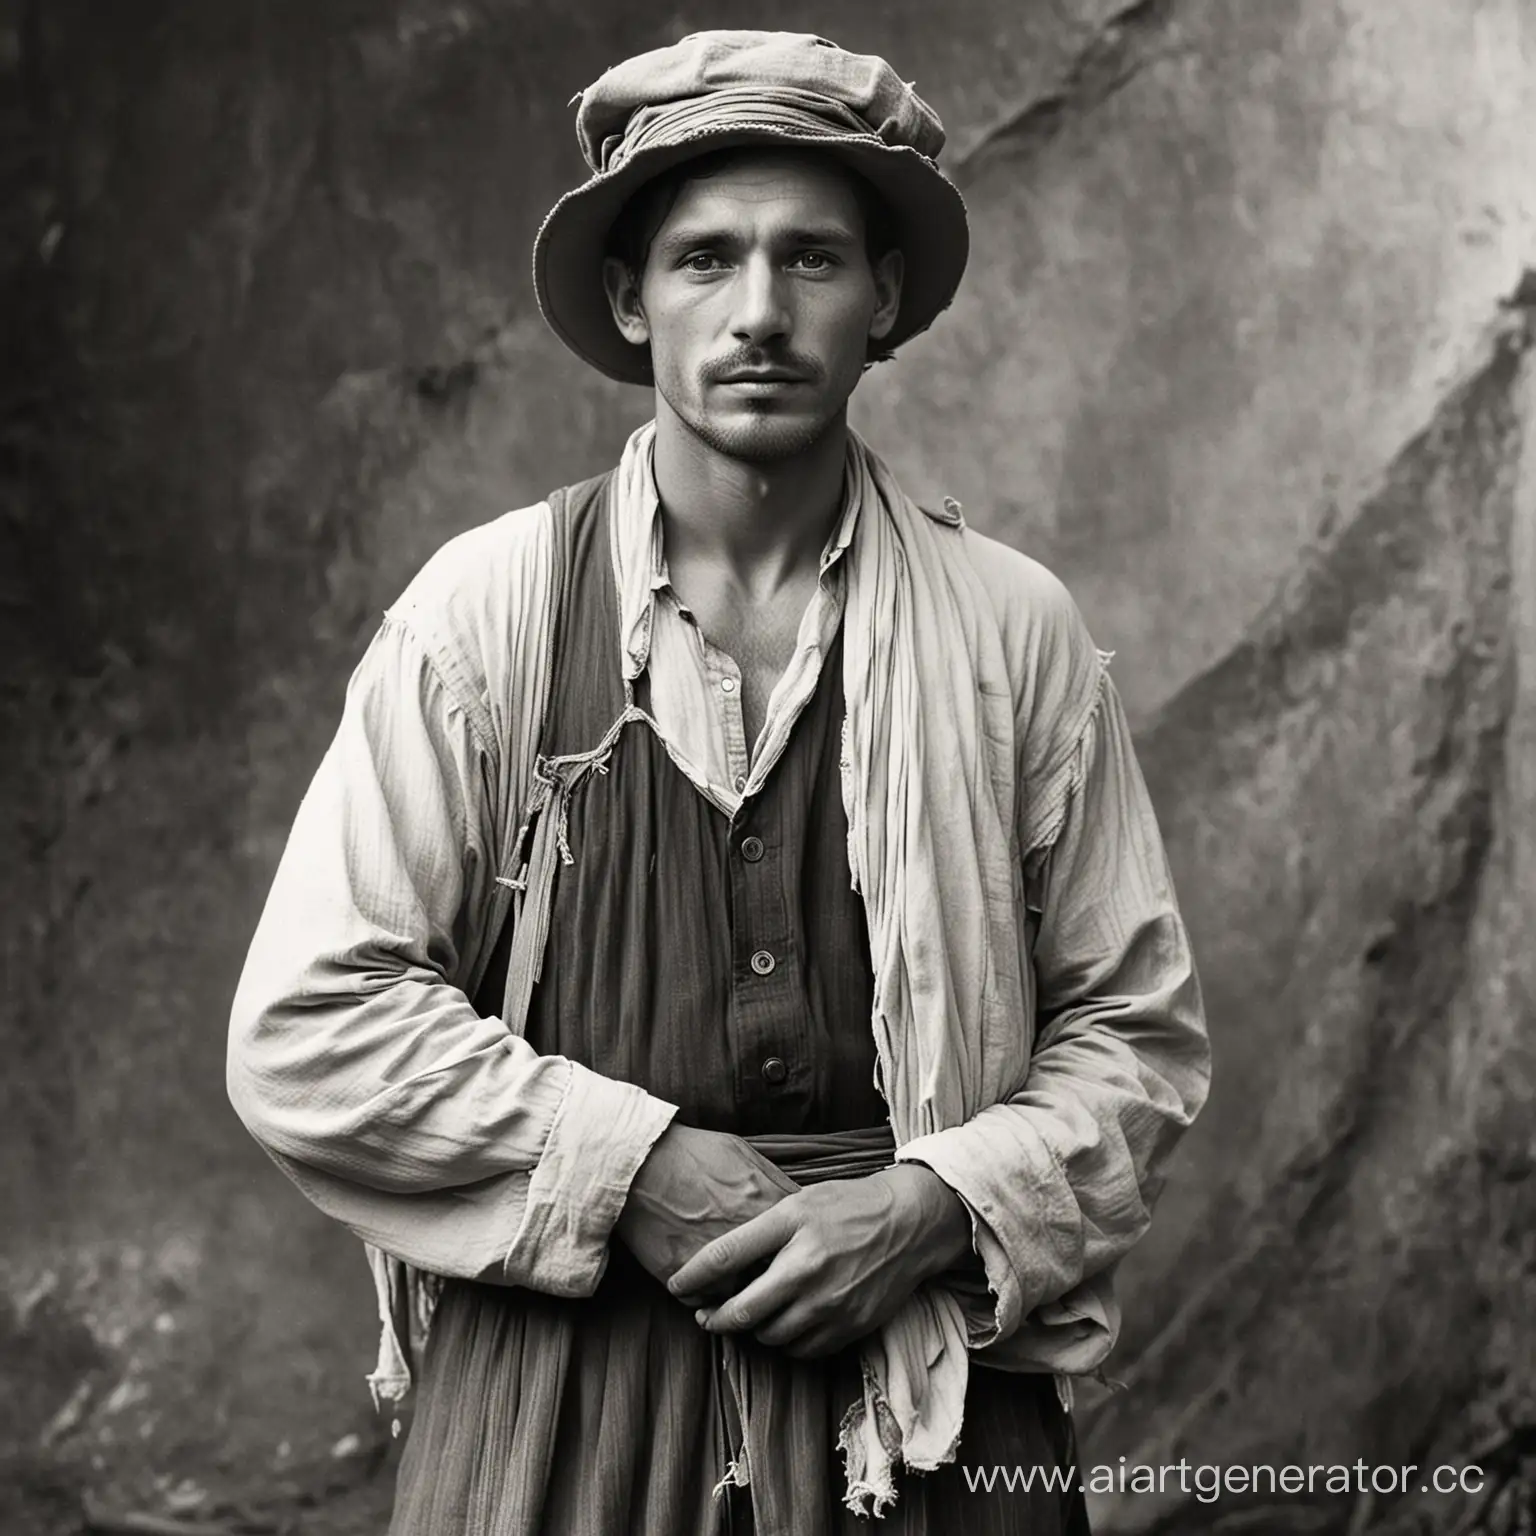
(693, 1187)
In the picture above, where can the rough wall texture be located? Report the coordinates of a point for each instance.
(1214, 302)
(269, 340)
(1347, 800)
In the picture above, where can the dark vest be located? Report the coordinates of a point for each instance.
(720, 963)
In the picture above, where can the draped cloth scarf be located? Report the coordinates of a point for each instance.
(928, 786)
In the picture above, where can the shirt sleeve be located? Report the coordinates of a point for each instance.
(355, 1058)
(1061, 1179)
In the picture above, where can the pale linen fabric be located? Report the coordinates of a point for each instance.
(1039, 1030)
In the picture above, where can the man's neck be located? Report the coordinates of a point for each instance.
(760, 526)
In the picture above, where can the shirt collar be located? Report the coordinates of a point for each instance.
(639, 556)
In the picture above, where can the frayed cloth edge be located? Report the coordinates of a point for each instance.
(863, 1494)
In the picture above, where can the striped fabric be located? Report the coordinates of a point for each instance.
(544, 1416)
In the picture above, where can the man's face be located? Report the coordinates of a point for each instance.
(759, 301)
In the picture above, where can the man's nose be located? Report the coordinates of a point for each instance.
(762, 308)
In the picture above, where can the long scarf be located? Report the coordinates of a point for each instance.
(928, 789)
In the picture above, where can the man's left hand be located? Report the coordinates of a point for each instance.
(842, 1258)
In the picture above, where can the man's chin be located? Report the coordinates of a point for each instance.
(761, 438)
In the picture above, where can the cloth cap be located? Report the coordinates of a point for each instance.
(725, 89)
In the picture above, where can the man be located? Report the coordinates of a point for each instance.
(728, 941)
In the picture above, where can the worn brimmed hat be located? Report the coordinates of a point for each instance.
(719, 90)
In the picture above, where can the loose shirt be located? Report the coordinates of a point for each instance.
(360, 1063)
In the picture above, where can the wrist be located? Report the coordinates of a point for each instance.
(653, 1172)
(944, 1217)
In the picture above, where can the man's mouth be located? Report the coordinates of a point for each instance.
(763, 376)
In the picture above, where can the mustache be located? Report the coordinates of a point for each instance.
(751, 359)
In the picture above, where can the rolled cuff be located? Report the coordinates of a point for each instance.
(1030, 1247)
(1072, 1334)
(602, 1132)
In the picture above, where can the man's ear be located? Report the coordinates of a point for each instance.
(623, 289)
(888, 272)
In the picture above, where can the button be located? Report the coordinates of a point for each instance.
(727, 685)
(741, 782)
(763, 962)
(751, 849)
(774, 1070)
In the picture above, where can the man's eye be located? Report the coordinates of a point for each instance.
(815, 261)
(700, 261)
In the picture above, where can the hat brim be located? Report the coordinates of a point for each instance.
(928, 211)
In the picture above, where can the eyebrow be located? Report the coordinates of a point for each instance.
(686, 237)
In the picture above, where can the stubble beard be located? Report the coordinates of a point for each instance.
(745, 443)
(756, 447)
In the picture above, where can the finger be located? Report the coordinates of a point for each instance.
(783, 1283)
(734, 1250)
(709, 1299)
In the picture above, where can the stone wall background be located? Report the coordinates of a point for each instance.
(1241, 355)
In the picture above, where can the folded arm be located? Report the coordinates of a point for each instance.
(355, 1056)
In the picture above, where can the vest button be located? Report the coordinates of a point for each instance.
(751, 849)
(763, 962)
(774, 1070)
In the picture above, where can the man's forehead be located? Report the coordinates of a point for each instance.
(760, 179)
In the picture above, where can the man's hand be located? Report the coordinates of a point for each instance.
(844, 1257)
(695, 1186)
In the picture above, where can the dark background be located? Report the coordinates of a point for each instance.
(1241, 355)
